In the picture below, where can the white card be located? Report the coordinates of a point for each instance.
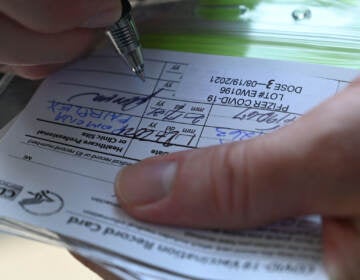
(59, 160)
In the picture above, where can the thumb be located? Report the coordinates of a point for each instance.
(237, 185)
(245, 184)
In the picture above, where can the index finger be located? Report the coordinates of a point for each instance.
(52, 16)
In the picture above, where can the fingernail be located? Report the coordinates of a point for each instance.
(103, 19)
(145, 183)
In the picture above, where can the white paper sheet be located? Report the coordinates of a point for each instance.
(59, 160)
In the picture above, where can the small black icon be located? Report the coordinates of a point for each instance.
(43, 203)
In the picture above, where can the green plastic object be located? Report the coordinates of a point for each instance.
(227, 10)
(316, 31)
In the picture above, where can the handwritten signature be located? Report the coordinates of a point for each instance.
(125, 103)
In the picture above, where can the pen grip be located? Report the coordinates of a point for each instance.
(126, 7)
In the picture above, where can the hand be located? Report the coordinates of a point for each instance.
(309, 167)
(39, 36)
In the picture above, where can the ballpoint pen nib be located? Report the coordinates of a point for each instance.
(123, 35)
(141, 75)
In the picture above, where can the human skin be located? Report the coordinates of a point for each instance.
(39, 36)
(309, 167)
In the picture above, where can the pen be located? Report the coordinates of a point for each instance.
(125, 38)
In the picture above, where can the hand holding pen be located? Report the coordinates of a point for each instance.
(38, 37)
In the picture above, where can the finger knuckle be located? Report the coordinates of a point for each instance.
(231, 190)
(334, 159)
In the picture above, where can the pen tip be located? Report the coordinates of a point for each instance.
(141, 75)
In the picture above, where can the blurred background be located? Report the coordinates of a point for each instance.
(23, 259)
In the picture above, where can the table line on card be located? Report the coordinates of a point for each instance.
(147, 105)
(176, 99)
(108, 133)
(133, 93)
(120, 113)
(71, 155)
(77, 147)
(115, 73)
(61, 169)
(145, 59)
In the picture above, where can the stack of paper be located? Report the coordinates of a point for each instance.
(59, 160)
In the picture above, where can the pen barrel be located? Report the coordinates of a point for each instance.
(126, 7)
(124, 34)
(125, 38)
